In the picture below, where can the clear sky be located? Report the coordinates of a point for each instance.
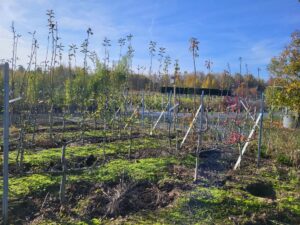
(255, 30)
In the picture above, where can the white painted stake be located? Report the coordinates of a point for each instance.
(119, 109)
(160, 116)
(191, 125)
(132, 115)
(115, 115)
(15, 100)
(247, 110)
(247, 142)
(174, 107)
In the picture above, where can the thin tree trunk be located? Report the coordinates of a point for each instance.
(62, 189)
(64, 122)
(104, 140)
(34, 125)
(20, 154)
(130, 145)
(51, 122)
(199, 141)
(82, 128)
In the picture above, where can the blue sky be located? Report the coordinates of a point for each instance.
(255, 30)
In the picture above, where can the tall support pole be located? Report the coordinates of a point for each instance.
(5, 144)
(169, 118)
(260, 128)
(175, 111)
(143, 108)
(162, 106)
(199, 142)
(168, 107)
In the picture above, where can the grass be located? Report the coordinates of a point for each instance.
(230, 204)
(204, 205)
(42, 158)
(152, 169)
(42, 137)
(26, 185)
(21, 186)
(282, 144)
(227, 205)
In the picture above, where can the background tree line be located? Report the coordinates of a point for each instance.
(68, 83)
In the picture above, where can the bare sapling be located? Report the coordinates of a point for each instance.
(194, 48)
(161, 54)
(152, 49)
(33, 91)
(53, 35)
(175, 80)
(122, 42)
(14, 60)
(24, 84)
(84, 92)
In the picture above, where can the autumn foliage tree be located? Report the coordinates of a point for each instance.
(285, 88)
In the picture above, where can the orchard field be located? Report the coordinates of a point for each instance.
(100, 142)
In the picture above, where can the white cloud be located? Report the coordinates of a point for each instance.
(11, 11)
(261, 53)
(73, 23)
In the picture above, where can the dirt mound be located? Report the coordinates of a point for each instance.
(87, 200)
(128, 197)
(215, 165)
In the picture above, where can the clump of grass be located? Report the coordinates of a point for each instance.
(40, 159)
(36, 183)
(282, 144)
(151, 169)
(284, 159)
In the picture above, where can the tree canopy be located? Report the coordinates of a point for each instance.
(284, 89)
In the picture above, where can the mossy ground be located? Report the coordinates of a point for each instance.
(229, 204)
(203, 203)
(39, 159)
(232, 203)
